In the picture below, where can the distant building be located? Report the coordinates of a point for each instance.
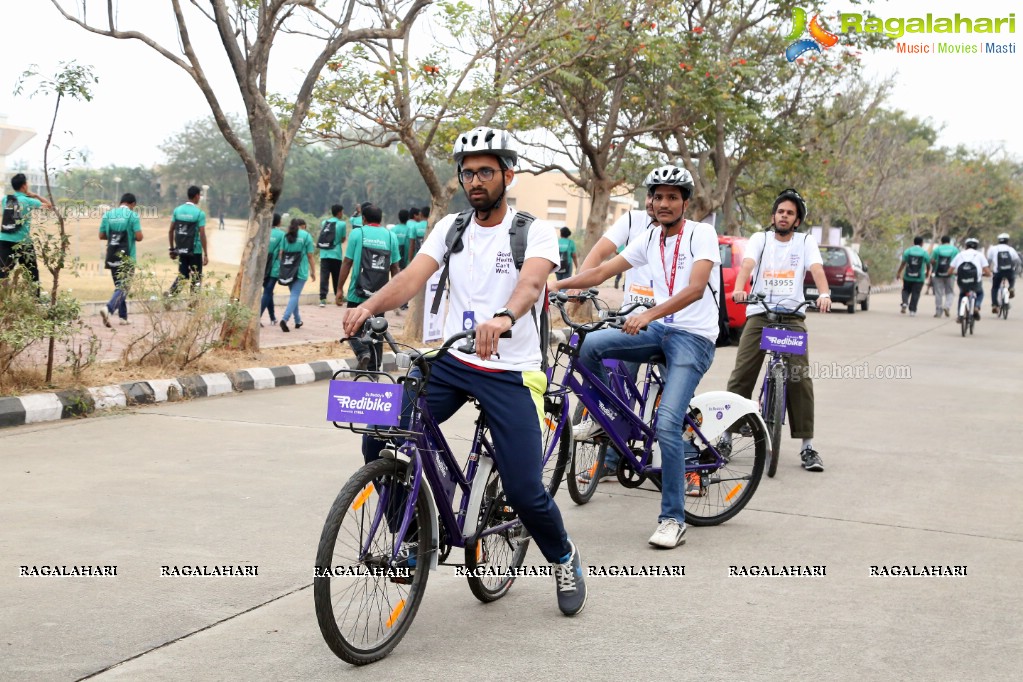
(551, 196)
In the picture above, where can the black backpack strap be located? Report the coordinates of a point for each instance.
(453, 237)
(519, 236)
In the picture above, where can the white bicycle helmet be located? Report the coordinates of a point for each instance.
(483, 140)
(1003, 237)
(971, 242)
(672, 176)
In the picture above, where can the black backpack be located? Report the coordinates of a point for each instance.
(290, 262)
(1004, 261)
(565, 260)
(914, 266)
(519, 235)
(12, 219)
(941, 264)
(328, 235)
(374, 270)
(117, 248)
(184, 236)
(966, 275)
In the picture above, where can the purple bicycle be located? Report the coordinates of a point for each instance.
(779, 340)
(727, 431)
(399, 516)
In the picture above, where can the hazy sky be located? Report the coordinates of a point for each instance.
(142, 99)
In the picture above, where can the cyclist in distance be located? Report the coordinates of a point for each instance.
(778, 260)
(488, 293)
(682, 257)
(969, 265)
(1003, 260)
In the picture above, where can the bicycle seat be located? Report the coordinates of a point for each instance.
(658, 359)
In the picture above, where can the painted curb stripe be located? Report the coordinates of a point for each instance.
(262, 377)
(41, 407)
(165, 390)
(282, 376)
(12, 412)
(105, 397)
(217, 384)
(304, 374)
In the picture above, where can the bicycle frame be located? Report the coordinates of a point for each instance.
(435, 468)
(618, 419)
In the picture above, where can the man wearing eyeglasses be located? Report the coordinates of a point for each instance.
(488, 292)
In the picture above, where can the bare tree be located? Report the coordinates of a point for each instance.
(383, 95)
(247, 32)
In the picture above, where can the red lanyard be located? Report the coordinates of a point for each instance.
(674, 261)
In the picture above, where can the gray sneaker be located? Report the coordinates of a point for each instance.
(571, 586)
(811, 460)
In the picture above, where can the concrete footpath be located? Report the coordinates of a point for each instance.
(918, 428)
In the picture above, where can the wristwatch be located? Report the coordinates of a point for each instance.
(506, 313)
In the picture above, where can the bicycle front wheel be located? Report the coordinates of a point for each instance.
(729, 488)
(557, 442)
(774, 415)
(366, 597)
(493, 557)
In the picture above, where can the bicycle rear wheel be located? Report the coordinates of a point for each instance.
(730, 487)
(587, 457)
(365, 599)
(491, 557)
(774, 415)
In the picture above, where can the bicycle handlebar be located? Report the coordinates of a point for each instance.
(614, 320)
(762, 302)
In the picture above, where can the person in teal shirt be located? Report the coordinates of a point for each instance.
(416, 232)
(400, 233)
(331, 252)
(120, 228)
(916, 264)
(299, 245)
(273, 265)
(188, 216)
(566, 249)
(372, 257)
(16, 246)
(942, 277)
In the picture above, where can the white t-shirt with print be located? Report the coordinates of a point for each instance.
(481, 279)
(638, 282)
(779, 268)
(969, 256)
(699, 241)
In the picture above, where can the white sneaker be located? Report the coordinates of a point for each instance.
(585, 430)
(670, 533)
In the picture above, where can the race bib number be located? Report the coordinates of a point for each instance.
(640, 294)
(780, 282)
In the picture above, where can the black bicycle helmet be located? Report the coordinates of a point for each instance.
(793, 196)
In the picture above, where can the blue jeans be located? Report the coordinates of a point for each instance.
(688, 359)
(267, 302)
(119, 301)
(296, 290)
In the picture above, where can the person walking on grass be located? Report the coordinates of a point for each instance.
(917, 265)
(187, 236)
(271, 270)
(330, 243)
(15, 230)
(295, 267)
(120, 229)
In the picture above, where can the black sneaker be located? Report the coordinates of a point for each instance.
(568, 578)
(811, 460)
(364, 361)
(298, 325)
(284, 326)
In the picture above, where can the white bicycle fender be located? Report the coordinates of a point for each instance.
(721, 409)
(426, 489)
(479, 484)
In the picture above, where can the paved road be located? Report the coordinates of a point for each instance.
(920, 471)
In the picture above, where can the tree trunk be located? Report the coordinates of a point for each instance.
(596, 223)
(417, 306)
(248, 284)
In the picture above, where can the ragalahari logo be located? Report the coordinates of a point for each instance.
(818, 36)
